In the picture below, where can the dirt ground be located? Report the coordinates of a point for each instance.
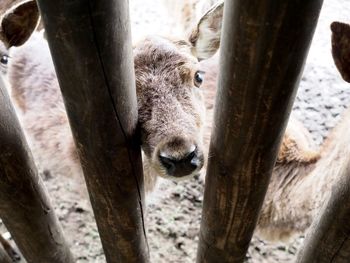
(173, 214)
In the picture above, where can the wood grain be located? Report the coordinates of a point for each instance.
(264, 46)
(328, 239)
(90, 42)
(25, 207)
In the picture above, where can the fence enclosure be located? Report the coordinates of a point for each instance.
(257, 84)
(263, 50)
(24, 204)
(96, 77)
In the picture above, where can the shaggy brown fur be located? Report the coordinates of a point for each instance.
(302, 178)
(38, 99)
(298, 189)
(171, 112)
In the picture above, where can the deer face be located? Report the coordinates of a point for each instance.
(168, 81)
(171, 106)
(170, 98)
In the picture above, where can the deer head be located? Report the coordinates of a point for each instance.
(168, 85)
(170, 96)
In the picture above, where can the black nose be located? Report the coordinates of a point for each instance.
(181, 167)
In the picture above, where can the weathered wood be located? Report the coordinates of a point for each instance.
(328, 239)
(24, 205)
(265, 43)
(90, 42)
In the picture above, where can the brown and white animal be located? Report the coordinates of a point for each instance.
(302, 177)
(171, 101)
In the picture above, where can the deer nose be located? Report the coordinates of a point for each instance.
(181, 167)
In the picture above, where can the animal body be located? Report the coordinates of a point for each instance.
(170, 100)
(173, 98)
(302, 177)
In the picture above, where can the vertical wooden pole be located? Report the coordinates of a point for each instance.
(90, 42)
(24, 205)
(264, 46)
(328, 239)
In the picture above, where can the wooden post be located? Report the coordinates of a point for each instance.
(264, 46)
(90, 42)
(24, 205)
(328, 239)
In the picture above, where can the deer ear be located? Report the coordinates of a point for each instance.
(205, 37)
(341, 48)
(18, 23)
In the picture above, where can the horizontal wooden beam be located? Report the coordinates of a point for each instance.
(90, 43)
(264, 46)
(25, 207)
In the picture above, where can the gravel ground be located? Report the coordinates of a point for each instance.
(173, 215)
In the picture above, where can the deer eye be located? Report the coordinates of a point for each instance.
(198, 78)
(4, 60)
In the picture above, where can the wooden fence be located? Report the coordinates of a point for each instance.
(24, 204)
(263, 50)
(96, 77)
(264, 46)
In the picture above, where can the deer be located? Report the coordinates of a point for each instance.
(302, 177)
(175, 87)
